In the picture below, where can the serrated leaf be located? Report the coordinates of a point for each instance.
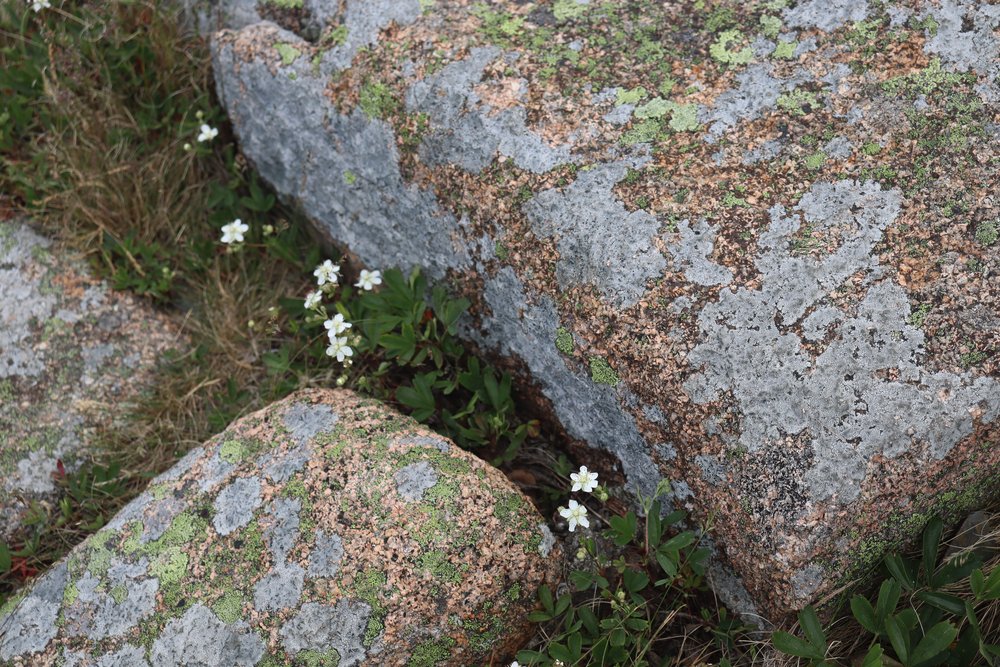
(949, 603)
(873, 658)
(792, 645)
(813, 628)
(864, 613)
(888, 598)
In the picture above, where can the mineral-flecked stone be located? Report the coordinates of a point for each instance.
(768, 232)
(73, 356)
(380, 544)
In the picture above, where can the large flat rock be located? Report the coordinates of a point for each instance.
(750, 247)
(325, 529)
(74, 355)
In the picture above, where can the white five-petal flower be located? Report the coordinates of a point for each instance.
(339, 348)
(39, 5)
(327, 272)
(234, 231)
(515, 664)
(336, 326)
(576, 514)
(584, 480)
(369, 279)
(207, 133)
(312, 300)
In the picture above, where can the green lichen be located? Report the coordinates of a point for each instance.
(723, 49)
(169, 567)
(684, 118)
(431, 652)
(642, 133)
(287, 52)
(181, 531)
(798, 102)
(564, 341)
(632, 96)
(350, 177)
(334, 36)
(229, 608)
(70, 594)
(785, 50)
(442, 462)
(232, 451)
(655, 108)
(932, 78)
(119, 593)
(285, 4)
(918, 316)
(601, 372)
(770, 26)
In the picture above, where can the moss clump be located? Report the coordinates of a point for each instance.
(602, 373)
(431, 652)
(287, 52)
(377, 101)
(312, 658)
(564, 341)
(229, 608)
(987, 233)
(368, 586)
(436, 563)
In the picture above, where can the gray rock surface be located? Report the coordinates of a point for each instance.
(73, 356)
(766, 232)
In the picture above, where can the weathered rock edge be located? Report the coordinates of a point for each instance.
(325, 529)
(751, 249)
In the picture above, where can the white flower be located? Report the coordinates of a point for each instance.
(234, 231)
(336, 326)
(312, 300)
(39, 5)
(207, 133)
(327, 272)
(515, 664)
(369, 279)
(576, 514)
(339, 348)
(584, 480)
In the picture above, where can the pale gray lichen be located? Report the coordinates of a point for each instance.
(302, 146)
(97, 614)
(281, 526)
(467, 132)
(304, 422)
(200, 639)
(280, 588)
(692, 251)
(324, 559)
(321, 627)
(32, 623)
(965, 39)
(600, 241)
(756, 92)
(235, 505)
(827, 15)
(412, 480)
(848, 410)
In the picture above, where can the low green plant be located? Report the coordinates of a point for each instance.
(935, 623)
(640, 577)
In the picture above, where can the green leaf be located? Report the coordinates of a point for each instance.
(581, 579)
(792, 645)
(949, 603)
(635, 580)
(935, 641)
(589, 621)
(864, 613)
(623, 528)
(901, 571)
(873, 658)
(545, 597)
(900, 641)
(956, 569)
(5, 560)
(931, 542)
(813, 628)
(888, 598)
